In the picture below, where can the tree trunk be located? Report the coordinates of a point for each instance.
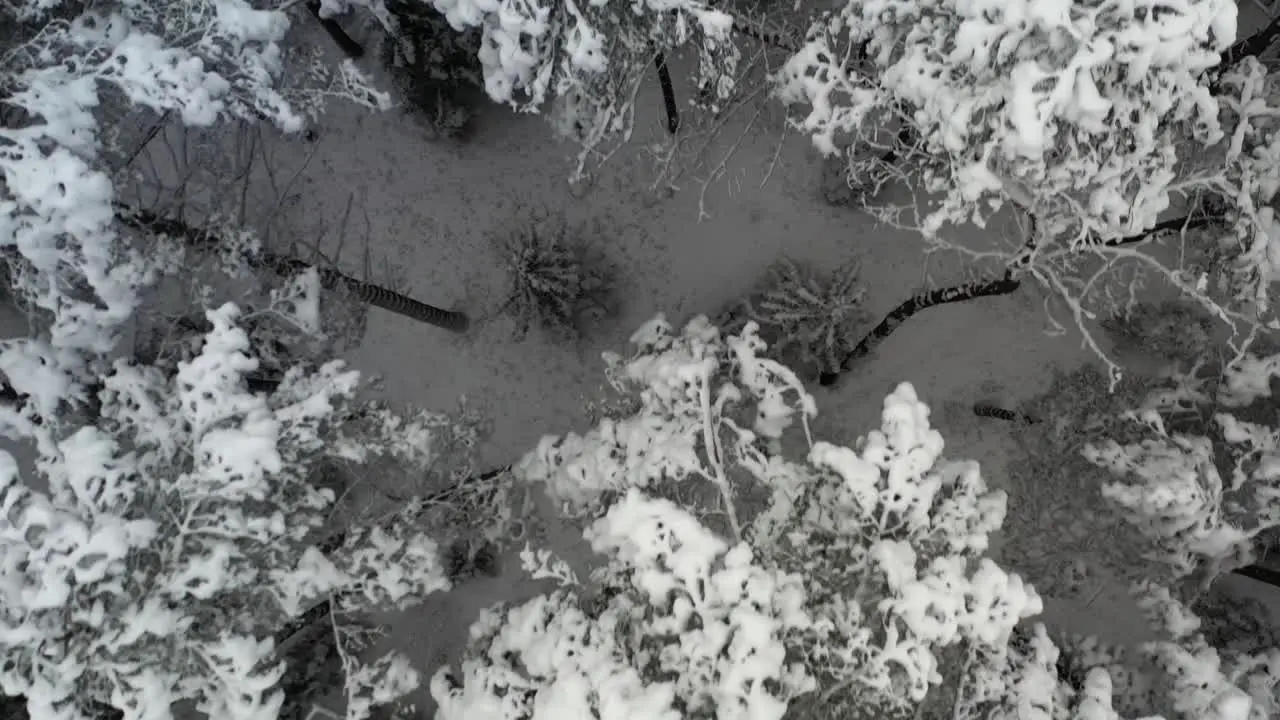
(993, 411)
(988, 288)
(915, 304)
(668, 93)
(1261, 574)
(370, 294)
(1187, 222)
(367, 293)
(349, 47)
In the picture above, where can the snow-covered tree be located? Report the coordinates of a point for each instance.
(685, 625)
(1113, 127)
(170, 527)
(172, 540)
(1200, 482)
(61, 64)
(589, 57)
(1076, 113)
(1192, 475)
(746, 566)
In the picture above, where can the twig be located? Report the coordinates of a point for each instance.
(147, 137)
(715, 454)
(718, 171)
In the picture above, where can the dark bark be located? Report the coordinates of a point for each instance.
(367, 293)
(1252, 46)
(1261, 574)
(668, 93)
(915, 304)
(999, 413)
(349, 47)
(1176, 224)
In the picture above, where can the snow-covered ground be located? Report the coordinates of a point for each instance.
(434, 207)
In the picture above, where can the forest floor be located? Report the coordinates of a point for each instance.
(435, 207)
(430, 210)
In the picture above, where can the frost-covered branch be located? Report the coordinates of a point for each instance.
(229, 244)
(709, 404)
(1028, 106)
(589, 56)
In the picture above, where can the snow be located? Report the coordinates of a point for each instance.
(243, 22)
(145, 69)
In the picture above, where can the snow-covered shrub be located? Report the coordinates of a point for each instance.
(172, 539)
(1234, 621)
(810, 319)
(559, 282)
(1194, 679)
(891, 542)
(468, 558)
(1060, 532)
(888, 539)
(434, 65)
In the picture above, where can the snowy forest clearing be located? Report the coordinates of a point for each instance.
(437, 231)
(228, 497)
